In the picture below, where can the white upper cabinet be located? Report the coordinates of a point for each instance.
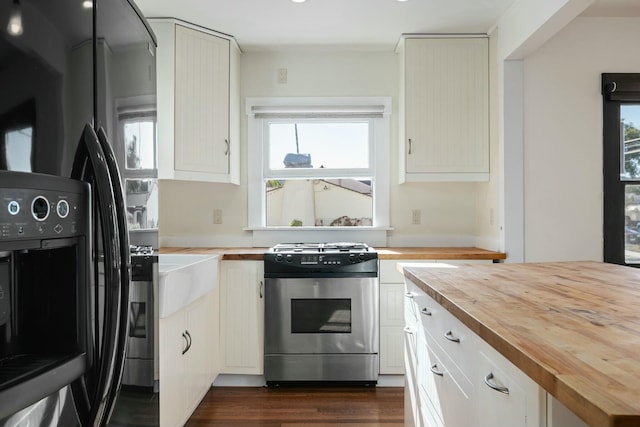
(444, 109)
(198, 103)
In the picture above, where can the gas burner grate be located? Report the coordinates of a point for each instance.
(321, 247)
(141, 249)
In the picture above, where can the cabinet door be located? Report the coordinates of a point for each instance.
(494, 407)
(201, 102)
(172, 382)
(242, 317)
(391, 328)
(198, 360)
(446, 106)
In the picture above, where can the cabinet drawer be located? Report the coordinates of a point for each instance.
(444, 396)
(512, 400)
(411, 315)
(451, 337)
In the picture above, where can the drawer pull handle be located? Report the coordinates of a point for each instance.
(408, 295)
(426, 311)
(450, 337)
(434, 369)
(487, 381)
(408, 330)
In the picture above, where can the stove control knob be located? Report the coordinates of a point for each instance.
(361, 256)
(352, 258)
(288, 258)
(279, 257)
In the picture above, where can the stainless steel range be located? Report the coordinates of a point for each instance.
(141, 344)
(321, 313)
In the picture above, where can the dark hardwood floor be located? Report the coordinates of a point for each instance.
(300, 407)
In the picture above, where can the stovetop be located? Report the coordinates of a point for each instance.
(341, 259)
(348, 247)
(141, 250)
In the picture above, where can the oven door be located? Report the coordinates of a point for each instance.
(321, 315)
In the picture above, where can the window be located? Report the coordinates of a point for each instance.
(17, 138)
(320, 162)
(18, 147)
(138, 163)
(621, 105)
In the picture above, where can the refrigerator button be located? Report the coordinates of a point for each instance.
(13, 207)
(62, 208)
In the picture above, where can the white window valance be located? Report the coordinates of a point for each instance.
(366, 107)
(318, 111)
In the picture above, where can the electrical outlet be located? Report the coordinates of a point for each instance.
(416, 216)
(217, 216)
(282, 75)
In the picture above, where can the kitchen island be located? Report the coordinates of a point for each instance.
(571, 327)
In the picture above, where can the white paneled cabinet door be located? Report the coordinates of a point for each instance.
(446, 109)
(199, 358)
(187, 346)
(499, 398)
(172, 382)
(242, 317)
(391, 328)
(201, 102)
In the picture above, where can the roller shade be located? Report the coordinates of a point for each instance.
(318, 111)
(621, 87)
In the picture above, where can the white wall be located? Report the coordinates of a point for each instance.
(563, 135)
(450, 211)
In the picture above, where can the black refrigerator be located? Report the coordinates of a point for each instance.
(77, 132)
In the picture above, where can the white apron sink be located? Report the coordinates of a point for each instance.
(183, 279)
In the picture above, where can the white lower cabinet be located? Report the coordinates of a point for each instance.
(242, 317)
(456, 379)
(391, 324)
(391, 312)
(501, 398)
(187, 359)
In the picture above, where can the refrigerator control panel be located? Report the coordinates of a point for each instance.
(29, 213)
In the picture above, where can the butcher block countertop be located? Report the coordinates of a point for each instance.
(573, 327)
(432, 253)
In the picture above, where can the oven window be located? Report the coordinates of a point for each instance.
(320, 316)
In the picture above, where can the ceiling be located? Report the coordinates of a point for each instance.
(346, 24)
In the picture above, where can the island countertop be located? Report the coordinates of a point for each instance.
(573, 327)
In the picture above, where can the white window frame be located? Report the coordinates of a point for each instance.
(377, 109)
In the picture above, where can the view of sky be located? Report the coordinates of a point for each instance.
(331, 144)
(631, 114)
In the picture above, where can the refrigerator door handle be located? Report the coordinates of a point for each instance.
(90, 165)
(125, 262)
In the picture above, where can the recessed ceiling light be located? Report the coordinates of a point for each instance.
(87, 4)
(402, 0)
(298, 1)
